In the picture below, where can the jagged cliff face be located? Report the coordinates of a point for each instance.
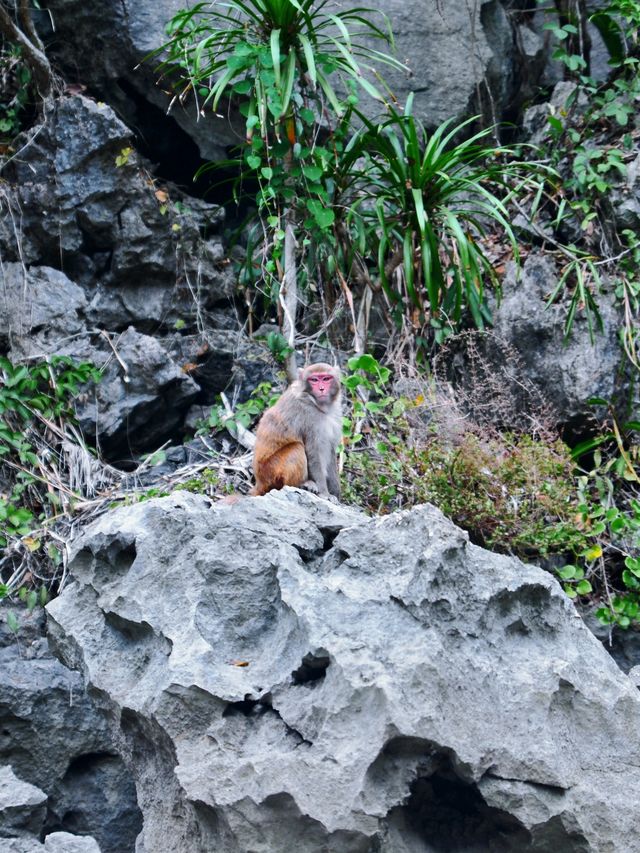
(451, 49)
(280, 674)
(106, 258)
(283, 673)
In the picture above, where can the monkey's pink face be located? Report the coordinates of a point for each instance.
(322, 385)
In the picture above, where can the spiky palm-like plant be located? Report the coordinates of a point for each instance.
(293, 66)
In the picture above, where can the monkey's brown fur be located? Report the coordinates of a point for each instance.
(296, 439)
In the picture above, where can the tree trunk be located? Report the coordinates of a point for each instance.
(289, 293)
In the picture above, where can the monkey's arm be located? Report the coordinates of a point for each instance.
(317, 467)
(333, 480)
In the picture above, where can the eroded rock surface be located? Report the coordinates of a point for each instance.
(568, 371)
(22, 806)
(102, 262)
(55, 737)
(290, 675)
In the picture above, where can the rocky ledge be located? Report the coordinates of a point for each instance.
(287, 674)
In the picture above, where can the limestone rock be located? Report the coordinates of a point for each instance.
(22, 806)
(56, 737)
(568, 372)
(451, 49)
(81, 200)
(288, 674)
(141, 398)
(55, 842)
(21, 845)
(39, 307)
(64, 842)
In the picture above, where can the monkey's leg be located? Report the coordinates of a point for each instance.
(286, 467)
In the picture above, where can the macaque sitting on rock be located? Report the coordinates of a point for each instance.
(296, 439)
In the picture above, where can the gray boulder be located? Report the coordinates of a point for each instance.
(40, 308)
(567, 372)
(56, 738)
(142, 397)
(82, 201)
(143, 394)
(288, 674)
(64, 842)
(452, 50)
(56, 842)
(23, 807)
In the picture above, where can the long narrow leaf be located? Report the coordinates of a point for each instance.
(290, 77)
(407, 263)
(331, 95)
(337, 20)
(274, 43)
(221, 85)
(351, 64)
(421, 216)
(370, 89)
(309, 59)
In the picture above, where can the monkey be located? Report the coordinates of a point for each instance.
(297, 438)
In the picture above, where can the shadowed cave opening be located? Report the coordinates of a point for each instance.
(313, 668)
(97, 796)
(248, 707)
(176, 157)
(451, 816)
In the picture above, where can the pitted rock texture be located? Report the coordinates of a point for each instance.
(55, 737)
(288, 674)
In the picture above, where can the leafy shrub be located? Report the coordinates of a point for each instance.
(36, 416)
(590, 144)
(512, 493)
(16, 89)
(609, 517)
(293, 69)
(515, 492)
(244, 414)
(421, 203)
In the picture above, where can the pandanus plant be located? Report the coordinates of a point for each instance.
(422, 202)
(293, 67)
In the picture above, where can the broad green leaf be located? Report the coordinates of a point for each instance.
(314, 173)
(567, 572)
(324, 216)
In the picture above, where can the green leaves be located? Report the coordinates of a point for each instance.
(33, 398)
(293, 68)
(426, 200)
(18, 90)
(270, 49)
(324, 216)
